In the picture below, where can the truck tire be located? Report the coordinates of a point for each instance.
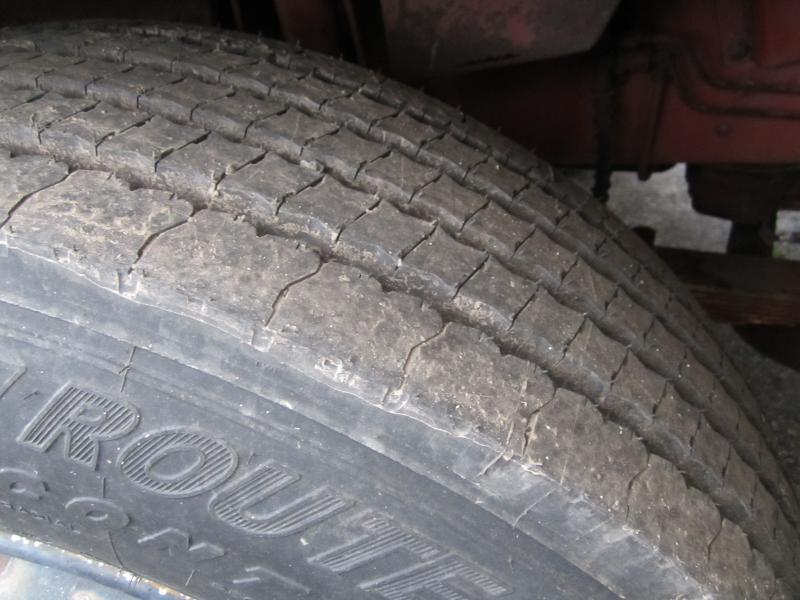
(274, 326)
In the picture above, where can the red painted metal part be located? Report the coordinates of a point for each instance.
(432, 36)
(775, 32)
(311, 23)
(551, 107)
(692, 85)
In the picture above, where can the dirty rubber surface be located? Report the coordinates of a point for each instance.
(777, 390)
(663, 204)
(561, 385)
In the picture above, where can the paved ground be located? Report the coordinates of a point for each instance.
(667, 209)
(662, 203)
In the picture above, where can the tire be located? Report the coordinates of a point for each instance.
(277, 327)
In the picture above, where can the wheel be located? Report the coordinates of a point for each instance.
(277, 327)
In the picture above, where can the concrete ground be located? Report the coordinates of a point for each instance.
(662, 203)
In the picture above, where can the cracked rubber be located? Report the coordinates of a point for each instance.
(436, 368)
